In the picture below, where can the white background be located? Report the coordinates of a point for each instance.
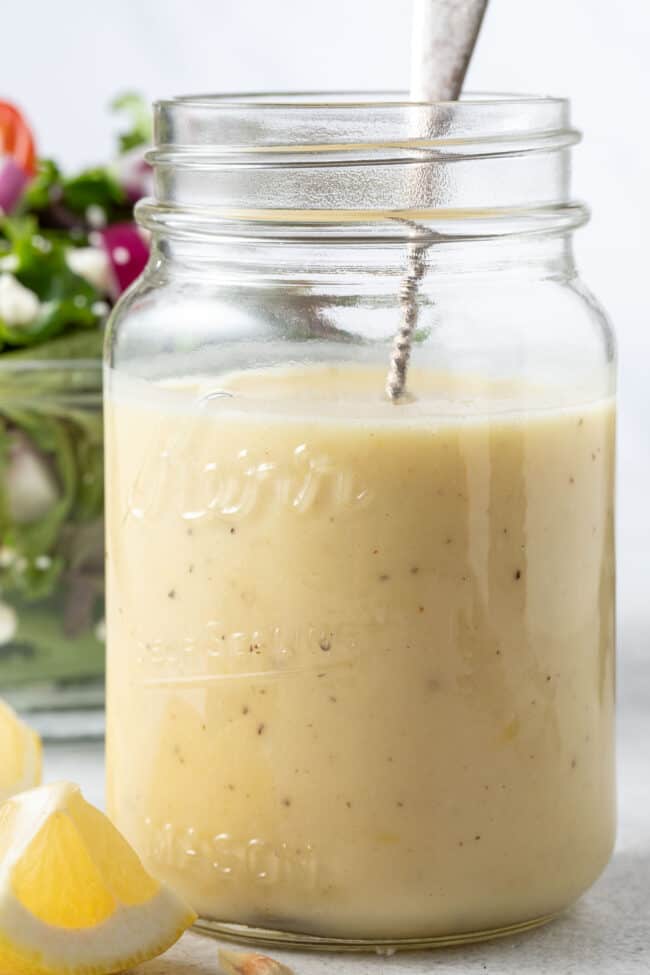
(63, 61)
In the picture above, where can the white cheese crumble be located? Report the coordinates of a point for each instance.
(91, 264)
(18, 305)
(9, 263)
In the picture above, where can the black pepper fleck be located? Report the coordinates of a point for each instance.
(573, 762)
(415, 569)
(171, 594)
(325, 645)
(384, 577)
(286, 802)
(244, 710)
(232, 531)
(518, 574)
(478, 836)
(260, 728)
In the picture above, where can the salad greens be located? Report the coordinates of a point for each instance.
(51, 194)
(39, 263)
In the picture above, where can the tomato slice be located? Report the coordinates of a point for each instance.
(16, 138)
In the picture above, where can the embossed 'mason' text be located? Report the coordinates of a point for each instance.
(236, 859)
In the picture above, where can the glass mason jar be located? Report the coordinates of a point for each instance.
(52, 541)
(361, 652)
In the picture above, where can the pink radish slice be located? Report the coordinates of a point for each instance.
(127, 252)
(12, 183)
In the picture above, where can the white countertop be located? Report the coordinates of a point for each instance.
(607, 933)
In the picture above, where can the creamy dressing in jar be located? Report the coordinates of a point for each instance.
(361, 656)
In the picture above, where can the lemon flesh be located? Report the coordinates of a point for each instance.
(74, 897)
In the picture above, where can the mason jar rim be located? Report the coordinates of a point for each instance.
(193, 127)
(350, 98)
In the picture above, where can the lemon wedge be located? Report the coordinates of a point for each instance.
(74, 897)
(20, 754)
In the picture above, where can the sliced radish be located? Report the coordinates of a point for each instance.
(127, 252)
(13, 180)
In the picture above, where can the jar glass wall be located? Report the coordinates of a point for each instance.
(361, 652)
